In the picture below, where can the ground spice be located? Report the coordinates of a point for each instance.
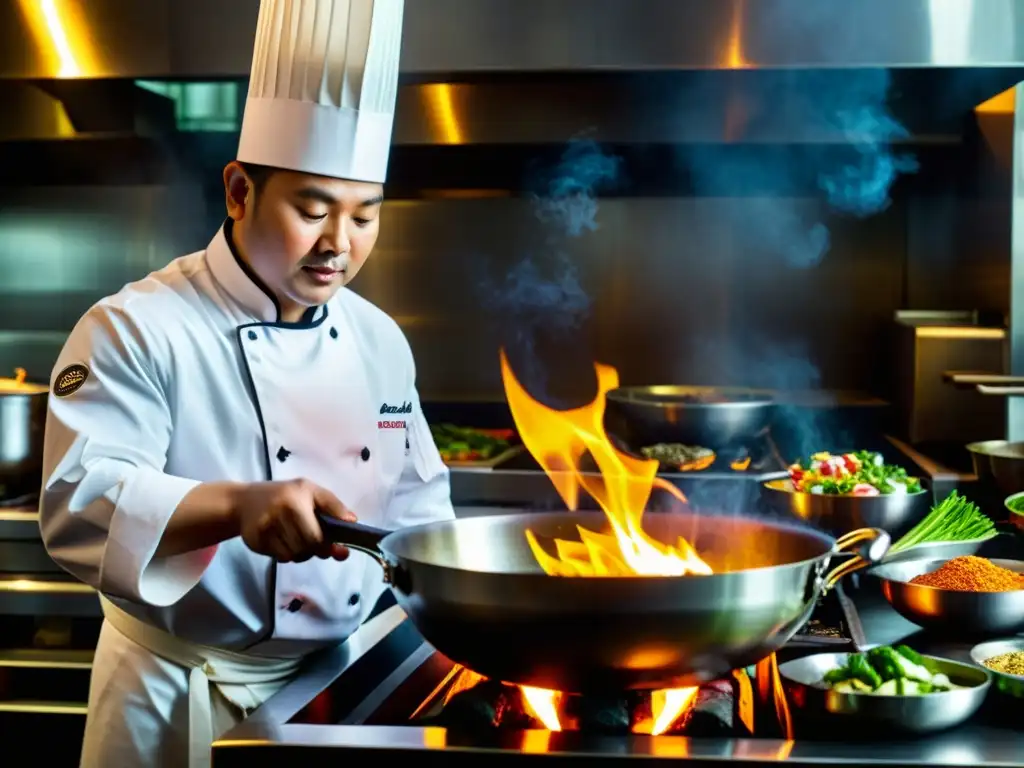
(1008, 663)
(971, 574)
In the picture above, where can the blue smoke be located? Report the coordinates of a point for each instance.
(540, 298)
(566, 198)
(861, 188)
(855, 174)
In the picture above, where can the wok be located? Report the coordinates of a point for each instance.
(474, 590)
(705, 416)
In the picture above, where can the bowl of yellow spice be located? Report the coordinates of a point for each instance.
(1005, 659)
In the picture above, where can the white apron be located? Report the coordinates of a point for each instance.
(189, 379)
(244, 680)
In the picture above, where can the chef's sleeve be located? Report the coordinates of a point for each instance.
(423, 493)
(106, 499)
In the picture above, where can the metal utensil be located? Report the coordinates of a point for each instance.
(894, 513)
(999, 463)
(705, 416)
(922, 714)
(1012, 685)
(961, 613)
(474, 590)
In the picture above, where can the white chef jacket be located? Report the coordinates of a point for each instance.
(191, 378)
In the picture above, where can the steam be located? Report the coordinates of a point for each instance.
(566, 200)
(855, 170)
(541, 294)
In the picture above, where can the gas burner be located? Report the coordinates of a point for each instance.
(468, 703)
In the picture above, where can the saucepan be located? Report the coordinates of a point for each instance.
(710, 417)
(474, 590)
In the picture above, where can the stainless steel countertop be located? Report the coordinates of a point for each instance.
(977, 743)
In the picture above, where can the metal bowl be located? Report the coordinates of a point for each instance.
(999, 464)
(906, 714)
(894, 513)
(1012, 685)
(1016, 517)
(977, 614)
(711, 417)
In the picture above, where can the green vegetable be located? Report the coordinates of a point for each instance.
(862, 670)
(888, 671)
(913, 656)
(838, 675)
(887, 668)
(955, 519)
(464, 443)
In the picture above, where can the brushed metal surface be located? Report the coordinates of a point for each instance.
(1015, 366)
(188, 38)
(931, 410)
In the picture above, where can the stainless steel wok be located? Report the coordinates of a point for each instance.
(711, 417)
(474, 590)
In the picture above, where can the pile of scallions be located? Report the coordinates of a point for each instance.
(955, 519)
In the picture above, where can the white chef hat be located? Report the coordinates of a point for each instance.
(323, 87)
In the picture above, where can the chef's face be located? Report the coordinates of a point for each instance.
(305, 236)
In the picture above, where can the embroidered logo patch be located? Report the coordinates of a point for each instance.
(70, 380)
(403, 408)
(391, 425)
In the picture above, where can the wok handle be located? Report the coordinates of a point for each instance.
(869, 545)
(364, 538)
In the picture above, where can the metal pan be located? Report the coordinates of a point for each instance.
(706, 416)
(474, 590)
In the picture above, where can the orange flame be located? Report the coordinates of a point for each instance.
(558, 440)
(740, 464)
(543, 705)
(769, 686)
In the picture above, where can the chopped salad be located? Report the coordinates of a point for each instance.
(861, 473)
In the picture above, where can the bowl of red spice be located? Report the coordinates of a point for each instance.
(966, 595)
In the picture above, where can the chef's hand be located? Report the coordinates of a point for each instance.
(280, 519)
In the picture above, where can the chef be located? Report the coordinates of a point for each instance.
(200, 417)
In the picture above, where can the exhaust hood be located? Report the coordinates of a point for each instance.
(528, 72)
(183, 39)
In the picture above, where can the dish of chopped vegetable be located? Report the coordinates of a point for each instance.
(861, 473)
(888, 671)
(466, 444)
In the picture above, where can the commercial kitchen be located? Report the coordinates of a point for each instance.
(717, 326)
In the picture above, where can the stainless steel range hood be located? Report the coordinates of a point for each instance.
(444, 38)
